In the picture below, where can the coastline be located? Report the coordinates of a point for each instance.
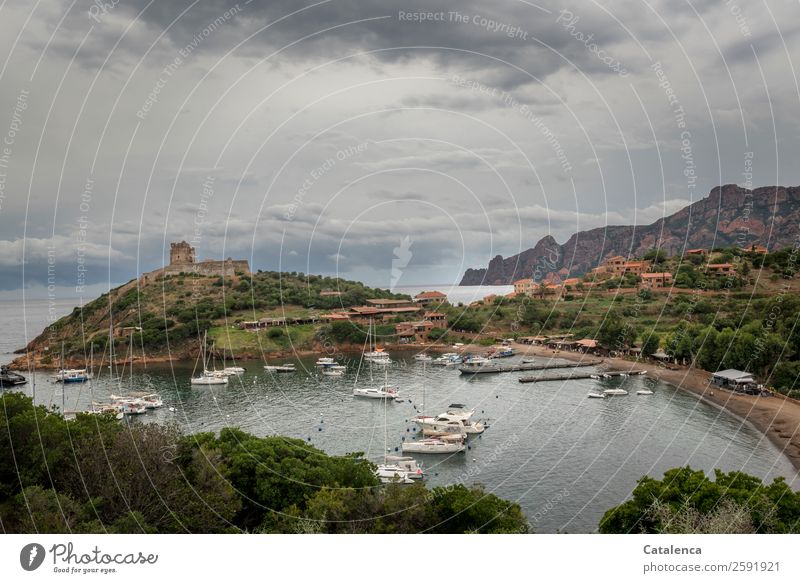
(775, 417)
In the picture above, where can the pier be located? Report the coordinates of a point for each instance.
(523, 366)
(575, 377)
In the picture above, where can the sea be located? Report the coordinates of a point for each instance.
(563, 457)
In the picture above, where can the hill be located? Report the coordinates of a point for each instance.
(168, 314)
(731, 216)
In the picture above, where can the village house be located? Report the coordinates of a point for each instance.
(387, 304)
(655, 280)
(701, 252)
(524, 287)
(437, 318)
(615, 265)
(326, 293)
(428, 298)
(636, 267)
(413, 331)
(758, 249)
(720, 269)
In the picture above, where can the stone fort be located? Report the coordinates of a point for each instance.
(182, 259)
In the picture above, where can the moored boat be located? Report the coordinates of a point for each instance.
(9, 378)
(433, 445)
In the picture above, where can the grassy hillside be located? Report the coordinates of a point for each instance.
(173, 312)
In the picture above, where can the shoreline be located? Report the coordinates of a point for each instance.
(777, 418)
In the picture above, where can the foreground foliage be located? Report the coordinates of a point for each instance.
(687, 501)
(94, 475)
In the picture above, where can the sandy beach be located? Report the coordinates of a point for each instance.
(777, 417)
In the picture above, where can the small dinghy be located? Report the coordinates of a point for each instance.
(644, 392)
(596, 396)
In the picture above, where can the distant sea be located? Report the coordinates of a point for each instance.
(457, 293)
(22, 321)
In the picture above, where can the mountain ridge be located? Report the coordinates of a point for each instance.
(729, 216)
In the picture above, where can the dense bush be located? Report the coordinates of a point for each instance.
(94, 475)
(686, 501)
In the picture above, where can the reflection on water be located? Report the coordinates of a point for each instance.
(564, 458)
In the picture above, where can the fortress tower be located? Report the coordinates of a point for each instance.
(181, 253)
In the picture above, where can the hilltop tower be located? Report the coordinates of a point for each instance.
(181, 253)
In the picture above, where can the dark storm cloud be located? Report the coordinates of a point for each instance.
(509, 42)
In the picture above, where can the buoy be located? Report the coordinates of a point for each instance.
(403, 438)
(407, 430)
(474, 459)
(395, 449)
(319, 429)
(497, 396)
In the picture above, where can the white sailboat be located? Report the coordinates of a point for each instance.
(434, 445)
(390, 472)
(208, 377)
(375, 355)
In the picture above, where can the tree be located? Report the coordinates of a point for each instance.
(650, 344)
(656, 256)
(687, 501)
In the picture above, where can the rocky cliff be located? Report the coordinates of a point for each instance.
(729, 216)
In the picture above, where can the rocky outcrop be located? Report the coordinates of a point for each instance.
(730, 216)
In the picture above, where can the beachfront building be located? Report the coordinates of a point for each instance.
(428, 298)
(735, 380)
(524, 287)
(655, 280)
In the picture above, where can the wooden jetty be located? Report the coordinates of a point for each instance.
(523, 366)
(574, 377)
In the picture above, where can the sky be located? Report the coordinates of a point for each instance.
(397, 143)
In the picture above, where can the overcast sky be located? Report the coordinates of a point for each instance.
(388, 141)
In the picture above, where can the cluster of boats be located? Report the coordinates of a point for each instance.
(132, 404)
(214, 376)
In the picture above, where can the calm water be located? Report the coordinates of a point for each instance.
(457, 294)
(563, 457)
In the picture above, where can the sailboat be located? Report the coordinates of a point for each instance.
(375, 354)
(384, 392)
(208, 377)
(390, 473)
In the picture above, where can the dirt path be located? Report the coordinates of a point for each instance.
(776, 417)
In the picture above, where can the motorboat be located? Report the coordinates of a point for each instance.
(392, 474)
(377, 356)
(289, 367)
(594, 395)
(233, 370)
(433, 445)
(478, 364)
(324, 361)
(503, 353)
(422, 357)
(150, 401)
(459, 411)
(594, 376)
(384, 392)
(73, 375)
(129, 406)
(447, 359)
(409, 464)
(10, 379)
(644, 392)
(613, 392)
(332, 372)
(445, 422)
